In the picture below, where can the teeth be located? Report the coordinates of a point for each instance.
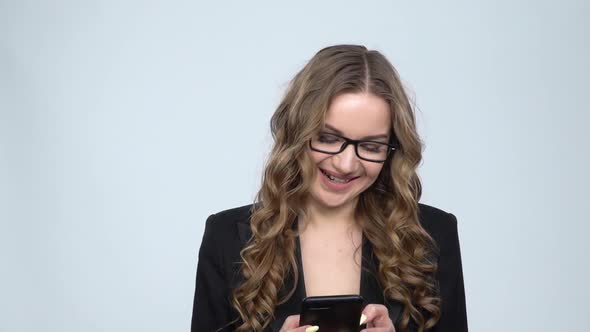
(335, 179)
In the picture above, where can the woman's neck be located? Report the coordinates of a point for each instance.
(321, 216)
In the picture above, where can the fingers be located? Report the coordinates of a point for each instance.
(377, 316)
(379, 329)
(309, 329)
(306, 328)
(291, 324)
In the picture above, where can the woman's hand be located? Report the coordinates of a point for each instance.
(377, 319)
(291, 324)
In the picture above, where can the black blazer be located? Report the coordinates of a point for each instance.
(227, 232)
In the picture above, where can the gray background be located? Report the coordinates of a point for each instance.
(123, 125)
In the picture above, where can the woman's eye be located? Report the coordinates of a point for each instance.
(328, 139)
(372, 147)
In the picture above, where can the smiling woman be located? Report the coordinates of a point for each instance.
(338, 213)
(366, 118)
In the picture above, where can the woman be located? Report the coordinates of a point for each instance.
(337, 213)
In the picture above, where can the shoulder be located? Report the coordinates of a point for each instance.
(231, 216)
(228, 226)
(435, 220)
(441, 225)
(225, 234)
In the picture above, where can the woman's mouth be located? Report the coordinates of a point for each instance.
(336, 179)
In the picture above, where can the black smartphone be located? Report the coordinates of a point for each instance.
(338, 313)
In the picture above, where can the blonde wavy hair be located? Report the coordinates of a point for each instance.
(388, 209)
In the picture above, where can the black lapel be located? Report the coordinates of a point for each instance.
(293, 305)
(244, 231)
(371, 289)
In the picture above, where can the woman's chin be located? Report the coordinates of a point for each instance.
(332, 202)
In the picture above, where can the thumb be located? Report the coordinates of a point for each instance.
(307, 328)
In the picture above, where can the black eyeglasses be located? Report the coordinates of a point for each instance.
(329, 143)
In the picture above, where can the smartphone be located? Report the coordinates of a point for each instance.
(338, 313)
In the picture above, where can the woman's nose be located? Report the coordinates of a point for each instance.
(346, 161)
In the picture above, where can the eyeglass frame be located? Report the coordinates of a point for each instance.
(348, 141)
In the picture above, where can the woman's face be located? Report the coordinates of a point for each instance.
(341, 178)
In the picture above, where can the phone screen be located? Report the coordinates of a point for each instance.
(340, 313)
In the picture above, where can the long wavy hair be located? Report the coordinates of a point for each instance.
(388, 209)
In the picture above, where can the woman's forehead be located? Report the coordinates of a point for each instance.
(357, 115)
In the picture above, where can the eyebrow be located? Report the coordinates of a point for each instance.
(366, 138)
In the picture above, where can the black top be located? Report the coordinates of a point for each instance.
(227, 232)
